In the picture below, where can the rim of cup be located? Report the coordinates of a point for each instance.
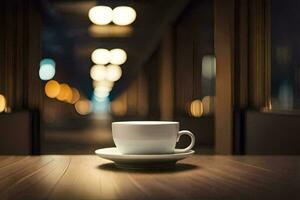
(145, 122)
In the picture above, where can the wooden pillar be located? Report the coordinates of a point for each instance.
(242, 48)
(224, 51)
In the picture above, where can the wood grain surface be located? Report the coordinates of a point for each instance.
(198, 177)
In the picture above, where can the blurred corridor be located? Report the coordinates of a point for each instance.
(83, 138)
(114, 72)
(87, 136)
(226, 71)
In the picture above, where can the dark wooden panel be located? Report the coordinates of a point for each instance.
(16, 135)
(203, 129)
(20, 54)
(271, 133)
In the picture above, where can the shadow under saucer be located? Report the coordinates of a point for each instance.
(171, 167)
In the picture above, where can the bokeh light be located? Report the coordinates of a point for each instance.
(47, 69)
(209, 66)
(118, 56)
(65, 93)
(105, 83)
(75, 96)
(101, 56)
(98, 72)
(101, 15)
(113, 72)
(208, 103)
(196, 108)
(101, 107)
(52, 88)
(97, 100)
(83, 107)
(123, 15)
(102, 88)
(101, 93)
(2, 103)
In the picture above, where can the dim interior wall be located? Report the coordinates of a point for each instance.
(272, 133)
(20, 47)
(20, 54)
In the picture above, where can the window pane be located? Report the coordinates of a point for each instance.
(285, 55)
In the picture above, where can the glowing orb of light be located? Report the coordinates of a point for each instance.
(83, 107)
(104, 83)
(52, 89)
(47, 69)
(75, 96)
(113, 72)
(101, 56)
(2, 103)
(102, 88)
(196, 108)
(98, 72)
(101, 15)
(100, 93)
(208, 103)
(123, 15)
(118, 56)
(65, 93)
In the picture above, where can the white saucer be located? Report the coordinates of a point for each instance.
(141, 161)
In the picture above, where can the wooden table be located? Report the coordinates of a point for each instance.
(207, 177)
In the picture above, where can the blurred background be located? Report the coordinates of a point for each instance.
(125, 60)
(227, 71)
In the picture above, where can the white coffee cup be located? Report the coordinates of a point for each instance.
(149, 137)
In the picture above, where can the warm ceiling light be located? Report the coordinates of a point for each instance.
(118, 56)
(101, 15)
(98, 72)
(2, 103)
(47, 69)
(65, 93)
(52, 88)
(110, 31)
(113, 72)
(83, 107)
(123, 15)
(196, 108)
(101, 56)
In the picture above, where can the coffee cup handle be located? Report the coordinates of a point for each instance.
(191, 135)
